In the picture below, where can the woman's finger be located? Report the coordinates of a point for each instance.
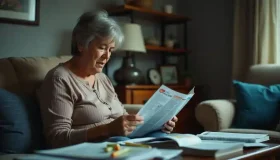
(130, 128)
(128, 133)
(134, 117)
(171, 123)
(134, 123)
(175, 119)
(167, 127)
(165, 130)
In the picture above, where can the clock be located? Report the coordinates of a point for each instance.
(154, 76)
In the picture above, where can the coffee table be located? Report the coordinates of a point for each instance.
(267, 153)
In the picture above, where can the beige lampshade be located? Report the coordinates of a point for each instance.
(133, 38)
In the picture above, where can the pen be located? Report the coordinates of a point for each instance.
(137, 145)
(120, 152)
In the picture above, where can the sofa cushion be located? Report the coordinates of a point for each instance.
(32, 70)
(20, 128)
(257, 106)
(8, 78)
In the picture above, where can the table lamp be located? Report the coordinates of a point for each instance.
(128, 74)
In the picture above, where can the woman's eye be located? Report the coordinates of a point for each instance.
(112, 50)
(102, 47)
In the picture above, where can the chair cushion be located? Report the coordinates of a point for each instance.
(8, 77)
(257, 106)
(20, 129)
(31, 71)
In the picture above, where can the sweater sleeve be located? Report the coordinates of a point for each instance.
(57, 105)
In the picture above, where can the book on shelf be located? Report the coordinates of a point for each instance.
(192, 145)
(237, 137)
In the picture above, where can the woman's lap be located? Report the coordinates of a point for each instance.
(123, 138)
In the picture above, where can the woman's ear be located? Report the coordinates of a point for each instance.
(80, 48)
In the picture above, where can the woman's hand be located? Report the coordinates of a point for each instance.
(124, 125)
(169, 126)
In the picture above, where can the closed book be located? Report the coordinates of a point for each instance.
(237, 137)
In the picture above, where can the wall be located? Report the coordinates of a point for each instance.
(52, 37)
(210, 39)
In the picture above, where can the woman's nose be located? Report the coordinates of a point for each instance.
(107, 54)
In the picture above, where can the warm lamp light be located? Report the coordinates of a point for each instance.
(133, 42)
(133, 38)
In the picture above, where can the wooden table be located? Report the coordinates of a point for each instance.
(264, 153)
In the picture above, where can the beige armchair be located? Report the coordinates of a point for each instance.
(218, 115)
(24, 75)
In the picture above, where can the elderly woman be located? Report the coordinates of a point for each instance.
(78, 102)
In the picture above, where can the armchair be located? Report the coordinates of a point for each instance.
(218, 114)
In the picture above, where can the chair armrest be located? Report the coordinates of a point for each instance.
(132, 108)
(215, 115)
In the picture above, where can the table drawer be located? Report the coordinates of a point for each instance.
(141, 96)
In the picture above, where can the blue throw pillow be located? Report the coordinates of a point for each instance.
(257, 106)
(20, 124)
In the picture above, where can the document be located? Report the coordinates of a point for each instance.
(160, 108)
(95, 151)
(191, 145)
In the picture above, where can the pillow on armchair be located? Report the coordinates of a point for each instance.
(257, 106)
(20, 124)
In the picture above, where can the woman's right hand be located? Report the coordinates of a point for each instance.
(124, 125)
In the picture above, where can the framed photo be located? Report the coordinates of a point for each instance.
(169, 74)
(20, 11)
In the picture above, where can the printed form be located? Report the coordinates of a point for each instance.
(160, 108)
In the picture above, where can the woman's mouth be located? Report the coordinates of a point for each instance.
(100, 64)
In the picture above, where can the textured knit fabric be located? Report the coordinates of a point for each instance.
(69, 106)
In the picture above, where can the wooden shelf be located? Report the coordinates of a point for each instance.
(148, 14)
(165, 49)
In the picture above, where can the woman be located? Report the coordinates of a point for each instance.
(78, 102)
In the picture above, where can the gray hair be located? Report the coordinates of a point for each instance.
(95, 25)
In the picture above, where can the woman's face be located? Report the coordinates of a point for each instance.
(98, 54)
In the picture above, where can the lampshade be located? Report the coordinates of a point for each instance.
(133, 38)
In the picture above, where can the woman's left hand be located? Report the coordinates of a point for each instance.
(169, 126)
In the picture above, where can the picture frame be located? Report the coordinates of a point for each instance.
(169, 74)
(26, 12)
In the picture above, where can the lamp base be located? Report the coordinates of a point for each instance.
(128, 74)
